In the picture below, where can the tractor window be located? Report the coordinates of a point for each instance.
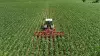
(48, 22)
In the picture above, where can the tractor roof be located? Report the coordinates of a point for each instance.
(48, 19)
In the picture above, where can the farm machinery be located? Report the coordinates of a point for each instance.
(48, 30)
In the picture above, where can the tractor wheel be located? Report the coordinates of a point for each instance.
(52, 26)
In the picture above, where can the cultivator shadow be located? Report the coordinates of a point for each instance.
(48, 30)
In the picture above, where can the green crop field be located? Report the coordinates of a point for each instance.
(80, 22)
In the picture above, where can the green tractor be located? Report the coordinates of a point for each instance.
(47, 24)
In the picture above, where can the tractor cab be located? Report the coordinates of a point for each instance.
(48, 24)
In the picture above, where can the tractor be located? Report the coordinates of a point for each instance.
(48, 30)
(47, 24)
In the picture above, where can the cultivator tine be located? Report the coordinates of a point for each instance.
(58, 34)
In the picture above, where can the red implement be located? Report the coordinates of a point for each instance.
(49, 33)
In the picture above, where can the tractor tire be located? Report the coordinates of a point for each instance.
(52, 26)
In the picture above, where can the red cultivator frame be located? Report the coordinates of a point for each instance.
(49, 33)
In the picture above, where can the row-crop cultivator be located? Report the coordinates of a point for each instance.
(48, 30)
